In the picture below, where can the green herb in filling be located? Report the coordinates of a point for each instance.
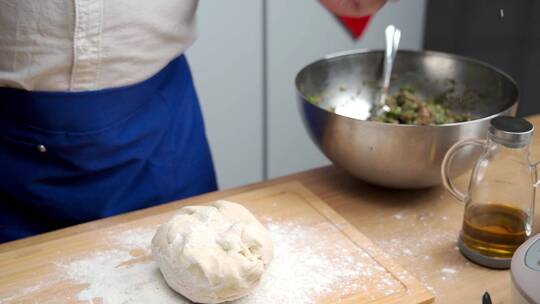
(407, 108)
(314, 99)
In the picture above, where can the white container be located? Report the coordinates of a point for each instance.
(525, 272)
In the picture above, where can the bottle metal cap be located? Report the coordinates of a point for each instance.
(513, 132)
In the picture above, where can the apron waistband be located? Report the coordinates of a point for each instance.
(88, 110)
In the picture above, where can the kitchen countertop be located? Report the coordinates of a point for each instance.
(418, 228)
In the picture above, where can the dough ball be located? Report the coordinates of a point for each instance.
(212, 254)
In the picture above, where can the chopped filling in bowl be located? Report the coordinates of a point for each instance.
(408, 108)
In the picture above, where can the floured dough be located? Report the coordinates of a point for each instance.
(212, 254)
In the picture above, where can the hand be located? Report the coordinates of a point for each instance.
(353, 8)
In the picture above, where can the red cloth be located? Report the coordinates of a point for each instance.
(356, 26)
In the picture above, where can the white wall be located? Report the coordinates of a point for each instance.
(300, 32)
(226, 61)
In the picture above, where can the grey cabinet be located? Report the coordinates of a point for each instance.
(226, 61)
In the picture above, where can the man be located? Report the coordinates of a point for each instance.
(98, 113)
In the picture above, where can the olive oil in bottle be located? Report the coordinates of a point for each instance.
(495, 230)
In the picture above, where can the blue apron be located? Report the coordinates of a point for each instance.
(67, 158)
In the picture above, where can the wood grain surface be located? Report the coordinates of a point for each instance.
(39, 270)
(418, 228)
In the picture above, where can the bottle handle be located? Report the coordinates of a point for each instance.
(536, 180)
(447, 165)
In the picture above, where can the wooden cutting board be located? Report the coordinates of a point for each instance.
(318, 255)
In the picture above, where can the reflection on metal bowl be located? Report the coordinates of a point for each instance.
(398, 156)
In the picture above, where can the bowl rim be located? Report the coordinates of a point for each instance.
(416, 52)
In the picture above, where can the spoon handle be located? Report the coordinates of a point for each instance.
(393, 36)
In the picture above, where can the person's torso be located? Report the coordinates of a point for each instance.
(79, 45)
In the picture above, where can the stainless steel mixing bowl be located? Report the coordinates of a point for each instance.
(398, 156)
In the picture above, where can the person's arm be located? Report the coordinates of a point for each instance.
(353, 8)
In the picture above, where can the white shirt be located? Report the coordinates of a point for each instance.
(79, 45)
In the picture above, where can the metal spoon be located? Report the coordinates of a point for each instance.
(393, 36)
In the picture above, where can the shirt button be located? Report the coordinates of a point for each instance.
(42, 148)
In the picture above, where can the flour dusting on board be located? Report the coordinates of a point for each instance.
(307, 266)
(418, 251)
(301, 271)
(133, 238)
(110, 278)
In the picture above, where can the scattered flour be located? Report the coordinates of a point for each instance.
(418, 249)
(111, 279)
(301, 272)
(134, 238)
(398, 216)
(407, 251)
(24, 292)
(307, 266)
(449, 270)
